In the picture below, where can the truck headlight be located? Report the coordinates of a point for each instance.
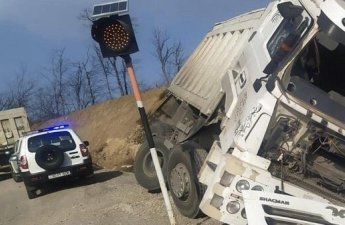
(7, 152)
(242, 185)
(233, 207)
(257, 188)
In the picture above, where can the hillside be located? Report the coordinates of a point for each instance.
(113, 128)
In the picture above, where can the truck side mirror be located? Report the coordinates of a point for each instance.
(289, 10)
(257, 85)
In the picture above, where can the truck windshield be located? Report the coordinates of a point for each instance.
(287, 32)
(62, 140)
(285, 39)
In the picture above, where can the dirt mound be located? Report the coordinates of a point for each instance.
(113, 128)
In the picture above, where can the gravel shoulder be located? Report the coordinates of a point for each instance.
(109, 197)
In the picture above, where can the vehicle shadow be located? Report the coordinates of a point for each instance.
(5, 173)
(97, 177)
(4, 176)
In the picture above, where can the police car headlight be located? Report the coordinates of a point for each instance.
(242, 185)
(7, 152)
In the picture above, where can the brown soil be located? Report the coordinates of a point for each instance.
(113, 128)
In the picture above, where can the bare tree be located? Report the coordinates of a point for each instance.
(178, 56)
(169, 54)
(22, 89)
(117, 72)
(88, 75)
(112, 70)
(104, 66)
(43, 105)
(87, 85)
(78, 88)
(5, 101)
(124, 77)
(85, 16)
(56, 77)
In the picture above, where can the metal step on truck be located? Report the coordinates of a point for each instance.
(252, 130)
(13, 124)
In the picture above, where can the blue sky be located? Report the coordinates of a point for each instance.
(30, 31)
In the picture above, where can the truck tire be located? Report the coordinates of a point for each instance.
(183, 167)
(144, 170)
(49, 157)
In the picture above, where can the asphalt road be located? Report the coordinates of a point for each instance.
(109, 197)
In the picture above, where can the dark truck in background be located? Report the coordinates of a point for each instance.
(13, 123)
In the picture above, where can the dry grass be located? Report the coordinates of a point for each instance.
(113, 128)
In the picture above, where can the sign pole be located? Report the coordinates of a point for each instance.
(147, 130)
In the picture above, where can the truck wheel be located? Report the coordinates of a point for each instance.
(144, 169)
(31, 191)
(49, 157)
(183, 167)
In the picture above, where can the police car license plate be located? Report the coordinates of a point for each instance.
(57, 175)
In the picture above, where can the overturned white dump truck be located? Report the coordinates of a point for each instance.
(252, 131)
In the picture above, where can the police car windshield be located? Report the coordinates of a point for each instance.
(61, 139)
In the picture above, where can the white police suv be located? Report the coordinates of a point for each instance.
(50, 154)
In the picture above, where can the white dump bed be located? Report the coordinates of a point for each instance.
(199, 81)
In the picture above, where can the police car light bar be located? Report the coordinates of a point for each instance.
(46, 129)
(53, 128)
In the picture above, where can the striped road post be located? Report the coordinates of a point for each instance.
(147, 130)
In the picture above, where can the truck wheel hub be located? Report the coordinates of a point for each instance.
(180, 181)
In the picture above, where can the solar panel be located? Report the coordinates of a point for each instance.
(110, 8)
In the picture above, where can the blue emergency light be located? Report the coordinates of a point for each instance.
(54, 128)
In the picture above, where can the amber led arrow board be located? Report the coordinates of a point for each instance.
(113, 30)
(114, 35)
